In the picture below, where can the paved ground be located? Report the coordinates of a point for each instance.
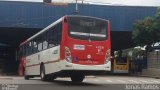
(91, 82)
(89, 79)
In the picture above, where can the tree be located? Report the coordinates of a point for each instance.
(142, 34)
(156, 25)
(147, 31)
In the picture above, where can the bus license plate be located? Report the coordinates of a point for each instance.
(79, 47)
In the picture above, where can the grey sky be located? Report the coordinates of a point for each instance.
(110, 2)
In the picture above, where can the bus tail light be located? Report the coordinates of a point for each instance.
(108, 56)
(68, 55)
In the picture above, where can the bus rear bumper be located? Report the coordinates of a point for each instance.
(71, 66)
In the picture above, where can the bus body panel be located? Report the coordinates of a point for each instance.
(32, 65)
(86, 55)
(86, 52)
(49, 57)
(71, 66)
(52, 65)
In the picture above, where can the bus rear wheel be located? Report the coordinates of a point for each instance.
(77, 78)
(42, 73)
(26, 77)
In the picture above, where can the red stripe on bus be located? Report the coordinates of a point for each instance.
(44, 63)
(51, 62)
(32, 65)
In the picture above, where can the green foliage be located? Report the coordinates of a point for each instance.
(142, 34)
(147, 31)
(156, 25)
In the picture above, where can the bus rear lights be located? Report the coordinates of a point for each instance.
(107, 57)
(107, 60)
(108, 53)
(69, 59)
(68, 55)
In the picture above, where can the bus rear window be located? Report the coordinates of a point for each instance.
(87, 28)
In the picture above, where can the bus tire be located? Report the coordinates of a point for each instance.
(50, 78)
(23, 72)
(42, 73)
(26, 77)
(77, 78)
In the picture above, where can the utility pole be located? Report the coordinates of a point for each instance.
(76, 6)
(77, 9)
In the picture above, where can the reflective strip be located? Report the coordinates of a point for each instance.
(88, 34)
(97, 35)
(80, 33)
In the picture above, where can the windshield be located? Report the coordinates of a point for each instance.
(86, 28)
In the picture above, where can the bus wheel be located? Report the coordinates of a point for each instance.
(26, 77)
(77, 78)
(50, 78)
(23, 73)
(42, 73)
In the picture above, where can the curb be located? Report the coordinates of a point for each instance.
(157, 77)
(5, 78)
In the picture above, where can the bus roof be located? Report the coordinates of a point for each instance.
(87, 17)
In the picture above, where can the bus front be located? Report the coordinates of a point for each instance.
(86, 44)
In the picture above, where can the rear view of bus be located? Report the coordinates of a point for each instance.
(86, 45)
(73, 46)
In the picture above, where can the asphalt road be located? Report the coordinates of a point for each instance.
(89, 83)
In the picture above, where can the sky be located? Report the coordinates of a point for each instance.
(108, 2)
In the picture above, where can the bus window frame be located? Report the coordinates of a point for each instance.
(39, 39)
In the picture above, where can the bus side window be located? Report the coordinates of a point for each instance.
(58, 33)
(45, 45)
(44, 40)
(28, 49)
(54, 35)
(34, 46)
(39, 43)
(51, 42)
(40, 47)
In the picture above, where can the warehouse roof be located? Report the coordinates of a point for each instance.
(40, 15)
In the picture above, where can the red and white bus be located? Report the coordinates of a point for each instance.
(73, 46)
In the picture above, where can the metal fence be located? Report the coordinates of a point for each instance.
(153, 59)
